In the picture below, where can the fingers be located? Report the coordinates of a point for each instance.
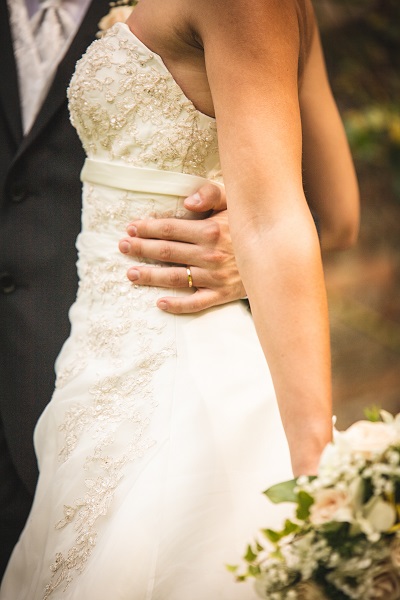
(193, 303)
(178, 230)
(171, 277)
(163, 251)
(208, 197)
(210, 290)
(204, 247)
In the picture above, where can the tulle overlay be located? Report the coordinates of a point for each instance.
(163, 430)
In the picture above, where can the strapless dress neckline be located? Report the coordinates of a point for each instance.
(161, 61)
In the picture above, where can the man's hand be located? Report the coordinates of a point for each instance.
(204, 245)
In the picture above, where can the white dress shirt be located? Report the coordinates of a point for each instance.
(33, 76)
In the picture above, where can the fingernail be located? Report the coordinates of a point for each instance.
(162, 304)
(132, 231)
(133, 274)
(124, 246)
(194, 200)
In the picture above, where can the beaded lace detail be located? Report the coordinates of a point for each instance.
(127, 109)
(126, 105)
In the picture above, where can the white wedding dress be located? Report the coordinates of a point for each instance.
(163, 430)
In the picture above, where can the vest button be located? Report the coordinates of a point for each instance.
(7, 283)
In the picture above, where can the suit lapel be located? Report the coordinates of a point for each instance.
(57, 93)
(9, 92)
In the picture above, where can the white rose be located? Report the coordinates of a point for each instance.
(330, 505)
(367, 438)
(334, 458)
(380, 515)
(118, 14)
(308, 591)
(330, 456)
(395, 552)
(385, 584)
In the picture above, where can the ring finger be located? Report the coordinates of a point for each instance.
(166, 277)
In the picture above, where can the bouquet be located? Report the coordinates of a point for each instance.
(344, 542)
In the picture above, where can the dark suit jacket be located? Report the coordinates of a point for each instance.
(40, 207)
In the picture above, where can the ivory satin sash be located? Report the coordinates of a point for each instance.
(138, 179)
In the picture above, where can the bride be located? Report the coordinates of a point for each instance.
(163, 429)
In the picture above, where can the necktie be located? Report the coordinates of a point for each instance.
(51, 28)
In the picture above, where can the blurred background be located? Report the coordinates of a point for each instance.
(361, 40)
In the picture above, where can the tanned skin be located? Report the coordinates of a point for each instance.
(239, 61)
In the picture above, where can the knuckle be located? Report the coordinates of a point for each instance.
(146, 276)
(225, 293)
(136, 248)
(165, 253)
(211, 231)
(216, 257)
(174, 278)
(141, 228)
(176, 307)
(167, 230)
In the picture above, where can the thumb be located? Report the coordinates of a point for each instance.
(208, 197)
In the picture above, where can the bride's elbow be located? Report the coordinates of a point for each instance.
(341, 237)
(340, 224)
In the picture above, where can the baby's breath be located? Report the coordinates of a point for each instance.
(344, 539)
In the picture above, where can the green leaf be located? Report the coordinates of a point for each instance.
(273, 536)
(290, 527)
(304, 502)
(373, 413)
(250, 556)
(282, 492)
(259, 547)
(254, 570)
(231, 568)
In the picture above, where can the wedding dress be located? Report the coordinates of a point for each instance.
(163, 430)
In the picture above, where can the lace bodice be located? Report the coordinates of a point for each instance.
(127, 108)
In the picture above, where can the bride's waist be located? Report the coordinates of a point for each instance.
(141, 179)
(114, 195)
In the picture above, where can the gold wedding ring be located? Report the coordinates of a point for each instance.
(189, 275)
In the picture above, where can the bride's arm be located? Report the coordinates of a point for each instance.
(251, 51)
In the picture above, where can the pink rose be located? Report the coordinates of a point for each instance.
(369, 438)
(330, 505)
(118, 14)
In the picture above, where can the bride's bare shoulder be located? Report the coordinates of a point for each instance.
(178, 27)
(180, 18)
(258, 20)
(248, 10)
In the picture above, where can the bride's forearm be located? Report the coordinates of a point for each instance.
(255, 94)
(282, 271)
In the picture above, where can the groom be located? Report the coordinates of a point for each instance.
(40, 192)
